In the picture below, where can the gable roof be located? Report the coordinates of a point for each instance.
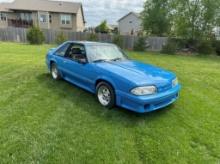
(136, 14)
(41, 5)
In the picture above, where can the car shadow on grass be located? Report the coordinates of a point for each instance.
(87, 101)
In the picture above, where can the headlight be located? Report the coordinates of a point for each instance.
(175, 82)
(147, 90)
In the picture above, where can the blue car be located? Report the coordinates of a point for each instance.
(105, 70)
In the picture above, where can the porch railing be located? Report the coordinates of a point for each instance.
(20, 23)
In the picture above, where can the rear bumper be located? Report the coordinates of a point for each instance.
(143, 104)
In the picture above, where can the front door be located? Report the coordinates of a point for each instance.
(78, 70)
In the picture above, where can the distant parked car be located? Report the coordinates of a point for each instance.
(106, 71)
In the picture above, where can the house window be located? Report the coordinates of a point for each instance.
(3, 17)
(43, 18)
(25, 16)
(65, 19)
(50, 18)
(130, 22)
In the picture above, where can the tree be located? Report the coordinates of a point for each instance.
(156, 17)
(188, 19)
(195, 19)
(102, 28)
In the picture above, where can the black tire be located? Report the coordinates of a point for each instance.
(111, 102)
(55, 72)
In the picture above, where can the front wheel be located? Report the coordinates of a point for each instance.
(105, 95)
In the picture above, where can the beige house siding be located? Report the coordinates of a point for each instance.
(3, 24)
(79, 21)
(43, 25)
(76, 24)
(47, 8)
(55, 21)
(130, 23)
(35, 18)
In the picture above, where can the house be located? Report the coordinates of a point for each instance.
(113, 28)
(46, 14)
(129, 24)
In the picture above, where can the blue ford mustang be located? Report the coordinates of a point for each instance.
(106, 71)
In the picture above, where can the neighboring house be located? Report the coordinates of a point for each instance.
(113, 28)
(130, 24)
(90, 29)
(43, 13)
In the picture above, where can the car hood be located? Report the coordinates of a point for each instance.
(138, 73)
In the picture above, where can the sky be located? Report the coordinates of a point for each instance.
(110, 10)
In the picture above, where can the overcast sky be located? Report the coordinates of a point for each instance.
(111, 10)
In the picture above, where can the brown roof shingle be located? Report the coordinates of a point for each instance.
(41, 5)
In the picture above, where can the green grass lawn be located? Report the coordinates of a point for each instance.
(45, 121)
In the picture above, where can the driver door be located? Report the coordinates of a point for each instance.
(79, 71)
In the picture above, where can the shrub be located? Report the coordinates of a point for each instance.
(117, 39)
(180, 43)
(60, 38)
(35, 36)
(92, 37)
(139, 45)
(216, 45)
(170, 47)
(205, 47)
(102, 28)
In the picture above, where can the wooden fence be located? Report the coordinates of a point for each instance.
(20, 35)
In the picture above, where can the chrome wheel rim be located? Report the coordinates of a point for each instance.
(54, 72)
(104, 95)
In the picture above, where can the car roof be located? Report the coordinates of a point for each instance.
(89, 43)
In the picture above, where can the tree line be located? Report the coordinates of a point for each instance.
(188, 19)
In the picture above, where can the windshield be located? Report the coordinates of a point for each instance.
(104, 53)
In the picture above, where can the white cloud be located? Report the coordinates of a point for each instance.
(111, 10)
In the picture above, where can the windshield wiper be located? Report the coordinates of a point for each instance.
(116, 59)
(100, 60)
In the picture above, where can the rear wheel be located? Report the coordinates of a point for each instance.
(54, 72)
(105, 95)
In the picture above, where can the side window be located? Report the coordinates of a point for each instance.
(43, 18)
(76, 52)
(65, 19)
(62, 51)
(3, 17)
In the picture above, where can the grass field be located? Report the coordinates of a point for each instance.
(44, 121)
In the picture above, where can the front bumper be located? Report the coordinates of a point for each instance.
(143, 104)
